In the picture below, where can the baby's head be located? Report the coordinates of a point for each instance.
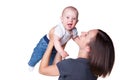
(69, 17)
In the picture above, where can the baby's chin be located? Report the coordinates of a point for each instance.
(69, 27)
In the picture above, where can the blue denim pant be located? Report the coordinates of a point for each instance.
(39, 51)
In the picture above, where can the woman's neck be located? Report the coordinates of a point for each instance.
(83, 54)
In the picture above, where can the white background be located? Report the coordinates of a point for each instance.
(24, 22)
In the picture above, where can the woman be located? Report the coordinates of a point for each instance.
(95, 58)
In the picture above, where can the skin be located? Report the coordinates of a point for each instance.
(52, 70)
(69, 19)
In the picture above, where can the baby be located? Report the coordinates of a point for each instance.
(63, 32)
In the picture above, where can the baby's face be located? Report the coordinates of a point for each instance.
(69, 19)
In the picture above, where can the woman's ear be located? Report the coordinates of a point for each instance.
(87, 49)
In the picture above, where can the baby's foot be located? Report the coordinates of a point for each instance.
(31, 68)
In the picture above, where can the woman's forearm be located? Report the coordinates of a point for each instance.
(45, 68)
(46, 57)
(57, 58)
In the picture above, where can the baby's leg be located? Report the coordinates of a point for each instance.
(38, 52)
(52, 57)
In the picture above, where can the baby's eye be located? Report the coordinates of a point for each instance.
(73, 18)
(67, 17)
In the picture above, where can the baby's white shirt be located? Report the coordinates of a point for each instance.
(65, 35)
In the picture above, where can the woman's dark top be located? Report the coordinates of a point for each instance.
(75, 69)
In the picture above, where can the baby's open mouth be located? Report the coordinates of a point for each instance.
(69, 24)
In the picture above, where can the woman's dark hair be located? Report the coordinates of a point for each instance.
(102, 54)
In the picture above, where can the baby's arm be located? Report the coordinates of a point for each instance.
(75, 36)
(58, 47)
(76, 39)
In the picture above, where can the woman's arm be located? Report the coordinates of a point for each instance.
(45, 68)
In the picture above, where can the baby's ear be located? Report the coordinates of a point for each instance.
(77, 21)
(61, 18)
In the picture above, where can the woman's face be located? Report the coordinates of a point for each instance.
(86, 37)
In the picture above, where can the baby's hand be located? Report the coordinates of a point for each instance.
(64, 54)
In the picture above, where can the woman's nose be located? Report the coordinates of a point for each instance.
(83, 33)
